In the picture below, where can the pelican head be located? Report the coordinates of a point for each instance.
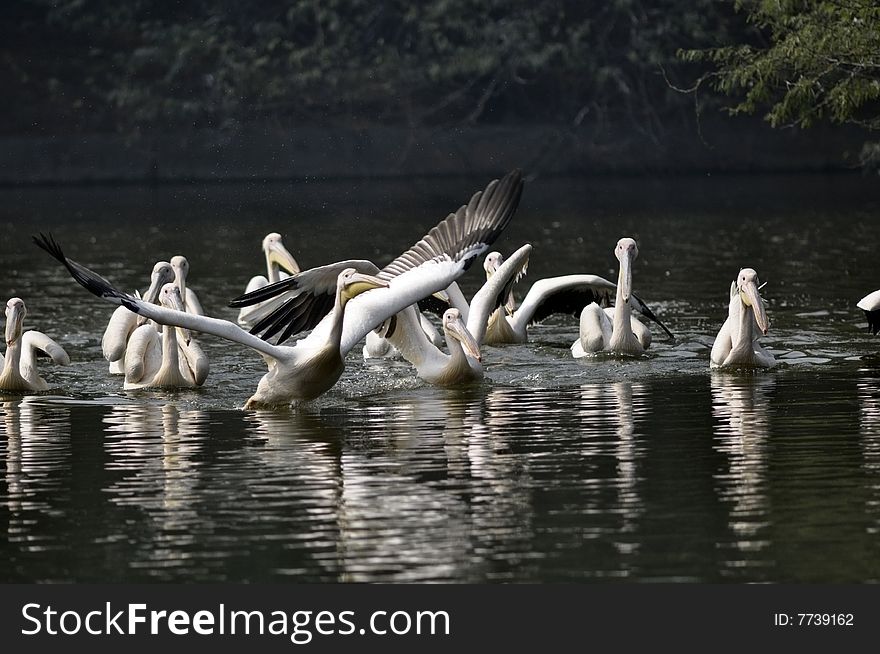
(454, 327)
(626, 252)
(181, 269)
(170, 298)
(277, 254)
(492, 262)
(351, 283)
(15, 313)
(747, 285)
(161, 275)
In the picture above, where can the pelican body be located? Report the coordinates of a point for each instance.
(736, 344)
(123, 322)
(166, 361)
(870, 304)
(615, 329)
(19, 369)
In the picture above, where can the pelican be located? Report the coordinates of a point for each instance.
(566, 294)
(737, 342)
(870, 304)
(615, 330)
(19, 369)
(463, 363)
(280, 264)
(360, 302)
(123, 322)
(152, 361)
(377, 346)
(464, 330)
(180, 265)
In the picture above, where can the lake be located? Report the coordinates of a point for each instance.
(551, 470)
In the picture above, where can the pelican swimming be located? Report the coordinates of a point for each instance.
(280, 264)
(464, 330)
(737, 342)
(180, 265)
(360, 303)
(615, 329)
(19, 369)
(152, 361)
(123, 322)
(566, 294)
(870, 304)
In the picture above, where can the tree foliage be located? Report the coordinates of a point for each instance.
(98, 64)
(805, 61)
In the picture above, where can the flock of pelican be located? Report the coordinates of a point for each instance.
(150, 337)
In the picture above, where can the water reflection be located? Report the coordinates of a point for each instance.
(37, 460)
(869, 419)
(741, 405)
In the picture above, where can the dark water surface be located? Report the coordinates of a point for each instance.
(553, 469)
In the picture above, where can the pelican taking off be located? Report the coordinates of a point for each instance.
(870, 304)
(360, 302)
(615, 329)
(19, 369)
(737, 342)
(280, 264)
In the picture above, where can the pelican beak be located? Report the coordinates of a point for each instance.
(14, 320)
(361, 283)
(443, 296)
(752, 298)
(278, 254)
(626, 278)
(459, 332)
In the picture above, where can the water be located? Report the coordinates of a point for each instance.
(553, 469)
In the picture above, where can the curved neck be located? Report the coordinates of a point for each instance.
(334, 338)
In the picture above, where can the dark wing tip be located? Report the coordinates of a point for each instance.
(646, 311)
(88, 279)
(265, 293)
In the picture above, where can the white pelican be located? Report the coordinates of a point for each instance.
(615, 329)
(180, 265)
(737, 342)
(870, 304)
(123, 322)
(464, 330)
(19, 369)
(312, 366)
(280, 264)
(566, 294)
(152, 361)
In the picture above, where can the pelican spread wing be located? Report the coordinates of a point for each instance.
(461, 236)
(362, 302)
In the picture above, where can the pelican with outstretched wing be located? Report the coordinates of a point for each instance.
(360, 301)
(615, 329)
(18, 369)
